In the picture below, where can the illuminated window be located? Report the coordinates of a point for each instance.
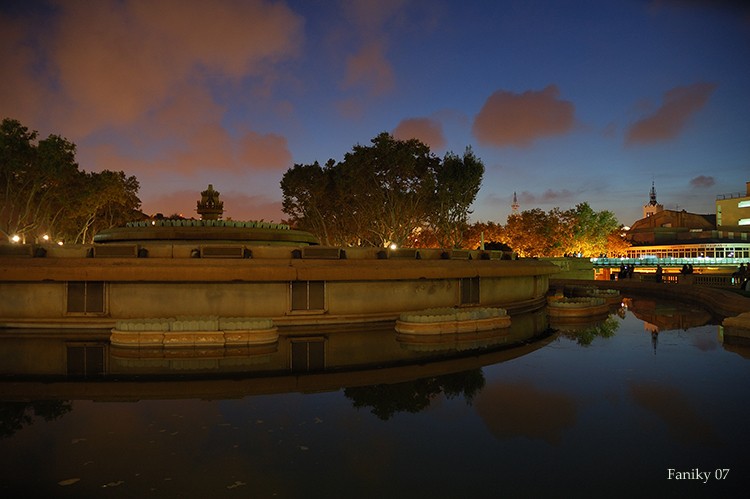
(308, 295)
(470, 291)
(743, 204)
(85, 297)
(744, 221)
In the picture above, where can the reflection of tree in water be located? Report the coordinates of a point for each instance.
(414, 396)
(604, 329)
(15, 415)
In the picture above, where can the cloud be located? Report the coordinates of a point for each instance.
(371, 17)
(428, 130)
(20, 91)
(205, 147)
(267, 151)
(702, 181)
(139, 51)
(678, 106)
(509, 119)
(374, 24)
(144, 77)
(548, 196)
(370, 68)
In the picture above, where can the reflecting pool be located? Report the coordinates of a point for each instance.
(605, 408)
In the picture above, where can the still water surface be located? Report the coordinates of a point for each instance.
(599, 411)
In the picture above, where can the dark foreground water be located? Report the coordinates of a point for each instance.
(631, 407)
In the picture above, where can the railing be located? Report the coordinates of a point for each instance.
(731, 195)
(668, 262)
(725, 280)
(711, 280)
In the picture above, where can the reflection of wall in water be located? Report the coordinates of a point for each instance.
(60, 353)
(664, 316)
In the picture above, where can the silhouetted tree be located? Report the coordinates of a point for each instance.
(392, 191)
(43, 191)
(458, 180)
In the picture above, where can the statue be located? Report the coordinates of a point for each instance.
(209, 207)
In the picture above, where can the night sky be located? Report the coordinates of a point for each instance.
(564, 101)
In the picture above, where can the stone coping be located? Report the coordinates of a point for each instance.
(720, 301)
(260, 270)
(452, 320)
(217, 230)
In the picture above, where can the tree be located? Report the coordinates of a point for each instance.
(305, 198)
(590, 230)
(43, 191)
(458, 180)
(389, 192)
(617, 243)
(388, 187)
(106, 199)
(489, 232)
(34, 179)
(579, 231)
(535, 233)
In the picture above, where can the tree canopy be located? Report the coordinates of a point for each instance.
(42, 191)
(384, 193)
(579, 231)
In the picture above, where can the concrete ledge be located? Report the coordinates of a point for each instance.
(738, 326)
(719, 301)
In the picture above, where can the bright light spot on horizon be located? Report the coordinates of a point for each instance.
(393, 246)
(45, 237)
(15, 238)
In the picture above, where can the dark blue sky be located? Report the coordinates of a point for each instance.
(564, 101)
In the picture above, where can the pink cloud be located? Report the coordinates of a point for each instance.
(678, 106)
(510, 119)
(20, 92)
(241, 206)
(372, 17)
(231, 36)
(267, 151)
(370, 68)
(209, 147)
(428, 130)
(205, 147)
(141, 70)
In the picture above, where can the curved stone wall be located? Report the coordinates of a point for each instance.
(282, 284)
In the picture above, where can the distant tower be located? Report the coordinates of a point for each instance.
(652, 207)
(209, 207)
(514, 206)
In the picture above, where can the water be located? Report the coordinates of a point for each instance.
(605, 411)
